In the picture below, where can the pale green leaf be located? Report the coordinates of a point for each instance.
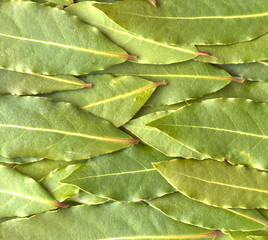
(16, 83)
(257, 71)
(126, 175)
(40, 169)
(184, 80)
(61, 2)
(244, 52)
(47, 40)
(19, 160)
(109, 94)
(233, 129)
(147, 50)
(59, 190)
(264, 212)
(256, 235)
(217, 183)
(88, 198)
(105, 221)
(33, 126)
(21, 195)
(180, 21)
(187, 210)
(159, 140)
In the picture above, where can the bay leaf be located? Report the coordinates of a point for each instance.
(158, 139)
(19, 160)
(56, 43)
(61, 2)
(187, 210)
(33, 126)
(147, 50)
(88, 198)
(110, 94)
(217, 183)
(22, 196)
(255, 235)
(40, 169)
(185, 81)
(244, 52)
(129, 221)
(264, 212)
(177, 21)
(233, 129)
(256, 71)
(16, 83)
(127, 175)
(59, 190)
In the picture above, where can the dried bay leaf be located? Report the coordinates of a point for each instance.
(126, 175)
(109, 94)
(185, 81)
(32, 126)
(22, 196)
(187, 210)
(233, 129)
(19, 160)
(129, 221)
(56, 43)
(16, 83)
(177, 21)
(244, 52)
(88, 198)
(217, 183)
(257, 71)
(59, 190)
(147, 50)
(159, 140)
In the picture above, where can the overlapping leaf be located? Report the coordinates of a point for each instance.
(257, 71)
(147, 50)
(217, 183)
(184, 80)
(187, 210)
(19, 160)
(105, 221)
(16, 83)
(22, 196)
(110, 94)
(158, 139)
(179, 21)
(43, 43)
(55, 130)
(127, 175)
(233, 129)
(244, 52)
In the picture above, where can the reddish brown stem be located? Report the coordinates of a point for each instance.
(164, 82)
(130, 57)
(236, 79)
(153, 2)
(88, 85)
(61, 205)
(205, 54)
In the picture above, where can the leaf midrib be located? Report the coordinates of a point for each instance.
(82, 135)
(217, 129)
(64, 46)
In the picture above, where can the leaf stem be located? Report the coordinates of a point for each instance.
(206, 55)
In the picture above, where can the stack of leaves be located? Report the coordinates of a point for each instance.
(133, 119)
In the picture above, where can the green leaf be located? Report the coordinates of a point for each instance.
(16, 83)
(59, 190)
(244, 52)
(22, 196)
(187, 210)
(257, 71)
(264, 212)
(185, 80)
(177, 21)
(32, 126)
(105, 221)
(256, 235)
(159, 140)
(56, 43)
(88, 198)
(62, 2)
(126, 175)
(147, 50)
(40, 169)
(109, 94)
(233, 129)
(19, 160)
(217, 183)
